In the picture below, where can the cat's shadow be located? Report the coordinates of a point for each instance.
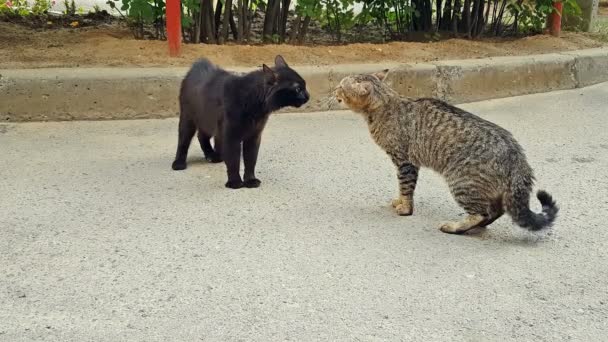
(501, 231)
(427, 210)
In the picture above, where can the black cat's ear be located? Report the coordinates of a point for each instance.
(279, 62)
(270, 74)
(381, 75)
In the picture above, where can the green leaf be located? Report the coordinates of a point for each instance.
(141, 8)
(187, 21)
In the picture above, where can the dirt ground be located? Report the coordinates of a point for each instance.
(21, 47)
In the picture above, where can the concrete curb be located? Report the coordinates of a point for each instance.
(134, 93)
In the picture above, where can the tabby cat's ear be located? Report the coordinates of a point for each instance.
(363, 88)
(381, 75)
(279, 62)
(270, 74)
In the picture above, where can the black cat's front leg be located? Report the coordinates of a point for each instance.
(407, 173)
(251, 147)
(231, 153)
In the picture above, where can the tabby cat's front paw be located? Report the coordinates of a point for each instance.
(404, 210)
(403, 206)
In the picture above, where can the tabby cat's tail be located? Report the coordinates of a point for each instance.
(516, 204)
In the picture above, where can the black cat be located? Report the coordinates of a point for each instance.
(233, 109)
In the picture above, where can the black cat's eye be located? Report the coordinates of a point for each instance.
(298, 90)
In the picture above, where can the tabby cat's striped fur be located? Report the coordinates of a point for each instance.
(485, 167)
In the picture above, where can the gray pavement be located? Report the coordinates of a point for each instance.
(101, 241)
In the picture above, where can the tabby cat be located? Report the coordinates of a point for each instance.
(484, 166)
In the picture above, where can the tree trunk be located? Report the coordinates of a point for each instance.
(270, 18)
(398, 17)
(303, 30)
(205, 28)
(240, 14)
(423, 22)
(438, 19)
(250, 17)
(455, 16)
(478, 19)
(416, 20)
(516, 17)
(338, 31)
(226, 21)
(295, 28)
(283, 20)
(481, 19)
(428, 18)
(232, 23)
(473, 27)
(494, 13)
(485, 18)
(446, 18)
(197, 25)
(219, 6)
(209, 24)
(467, 17)
(498, 19)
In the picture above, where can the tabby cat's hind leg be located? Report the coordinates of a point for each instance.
(459, 227)
(491, 214)
(477, 201)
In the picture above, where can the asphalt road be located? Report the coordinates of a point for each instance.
(102, 241)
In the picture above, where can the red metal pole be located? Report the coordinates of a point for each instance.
(556, 19)
(174, 27)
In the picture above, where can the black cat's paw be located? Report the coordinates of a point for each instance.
(178, 165)
(252, 183)
(214, 158)
(234, 184)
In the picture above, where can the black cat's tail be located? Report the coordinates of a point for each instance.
(517, 205)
